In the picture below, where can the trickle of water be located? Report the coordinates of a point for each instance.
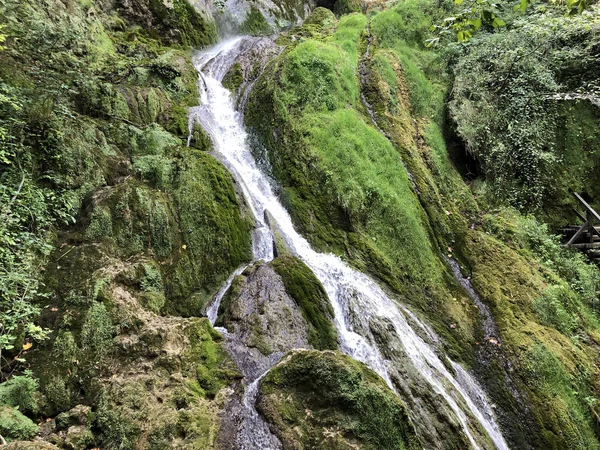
(254, 428)
(213, 308)
(355, 298)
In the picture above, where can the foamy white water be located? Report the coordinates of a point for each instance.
(355, 298)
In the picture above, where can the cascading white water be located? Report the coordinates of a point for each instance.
(355, 298)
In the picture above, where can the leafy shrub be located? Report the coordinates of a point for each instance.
(556, 307)
(20, 392)
(511, 89)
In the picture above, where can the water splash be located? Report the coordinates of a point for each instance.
(355, 298)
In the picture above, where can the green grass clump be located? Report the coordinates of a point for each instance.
(308, 292)
(310, 393)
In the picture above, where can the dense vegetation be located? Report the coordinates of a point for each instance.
(108, 222)
(114, 233)
(349, 195)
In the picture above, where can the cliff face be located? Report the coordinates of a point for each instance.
(119, 226)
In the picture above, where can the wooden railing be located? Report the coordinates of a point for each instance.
(587, 230)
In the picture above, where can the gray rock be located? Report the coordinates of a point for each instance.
(262, 320)
(79, 415)
(79, 437)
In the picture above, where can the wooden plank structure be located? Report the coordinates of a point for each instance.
(586, 236)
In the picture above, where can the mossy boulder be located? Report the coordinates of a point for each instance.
(263, 320)
(308, 292)
(327, 400)
(14, 425)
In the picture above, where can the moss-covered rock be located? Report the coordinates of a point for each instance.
(263, 320)
(308, 292)
(14, 425)
(30, 446)
(255, 23)
(327, 400)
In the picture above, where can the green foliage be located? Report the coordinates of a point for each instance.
(470, 18)
(20, 392)
(152, 279)
(556, 307)
(15, 426)
(302, 285)
(312, 392)
(510, 91)
(97, 332)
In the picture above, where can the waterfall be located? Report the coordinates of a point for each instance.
(356, 299)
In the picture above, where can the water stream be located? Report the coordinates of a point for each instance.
(356, 299)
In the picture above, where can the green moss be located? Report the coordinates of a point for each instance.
(20, 392)
(234, 78)
(200, 139)
(308, 292)
(327, 400)
(193, 29)
(14, 425)
(342, 7)
(320, 19)
(207, 361)
(215, 235)
(97, 332)
(255, 23)
(100, 224)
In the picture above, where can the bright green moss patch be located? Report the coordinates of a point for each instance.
(308, 292)
(212, 366)
(327, 400)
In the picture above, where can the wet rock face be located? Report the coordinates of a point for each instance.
(262, 320)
